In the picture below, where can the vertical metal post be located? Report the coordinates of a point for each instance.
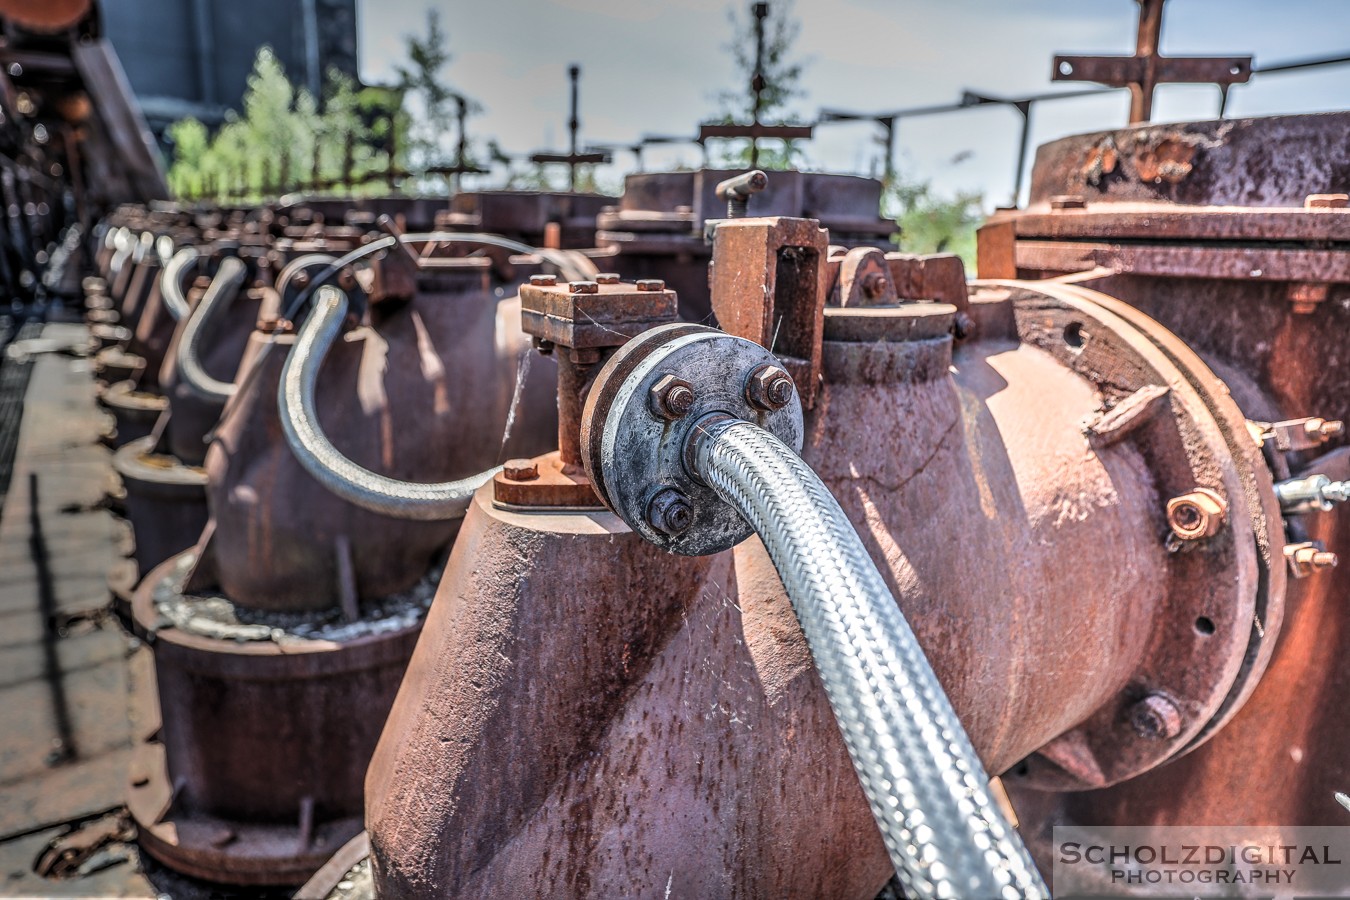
(757, 81)
(1023, 107)
(574, 123)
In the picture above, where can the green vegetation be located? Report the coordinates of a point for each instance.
(284, 141)
(931, 223)
(782, 85)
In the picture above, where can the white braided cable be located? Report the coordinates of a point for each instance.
(926, 786)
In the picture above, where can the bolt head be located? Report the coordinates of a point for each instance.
(607, 278)
(1156, 718)
(583, 287)
(543, 280)
(1326, 201)
(1196, 515)
(1068, 201)
(671, 398)
(520, 470)
(769, 388)
(651, 284)
(670, 512)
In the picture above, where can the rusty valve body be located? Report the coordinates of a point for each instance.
(585, 710)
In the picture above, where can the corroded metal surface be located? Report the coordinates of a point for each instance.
(712, 767)
(254, 773)
(1230, 235)
(429, 368)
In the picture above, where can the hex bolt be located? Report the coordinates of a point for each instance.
(543, 280)
(520, 470)
(1067, 201)
(671, 398)
(1156, 718)
(873, 284)
(769, 388)
(670, 512)
(583, 287)
(1326, 201)
(1306, 558)
(1196, 515)
(607, 278)
(651, 284)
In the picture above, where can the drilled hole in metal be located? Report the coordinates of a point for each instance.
(1074, 335)
(1204, 625)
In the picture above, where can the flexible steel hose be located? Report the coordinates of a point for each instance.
(323, 461)
(926, 786)
(224, 287)
(171, 283)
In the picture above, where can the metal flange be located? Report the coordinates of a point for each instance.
(634, 449)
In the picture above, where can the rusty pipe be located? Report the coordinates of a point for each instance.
(171, 283)
(224, 287)
(353, 483)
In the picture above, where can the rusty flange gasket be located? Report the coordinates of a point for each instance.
(1225, 594)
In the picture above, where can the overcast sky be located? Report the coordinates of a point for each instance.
(656, 66)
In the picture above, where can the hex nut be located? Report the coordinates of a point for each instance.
(1068, 201)
(769, 388)
(607, 278)
(1196, 515)
(583, 287)
(671, 398)
(1326, 201)
(670, 512)
(1156, 718)
(651, 284)
(520, 470)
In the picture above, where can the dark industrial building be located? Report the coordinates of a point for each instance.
(193, 57)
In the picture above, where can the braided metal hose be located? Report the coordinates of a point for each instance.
(171, 283)
(926, 786)
(224, 287)
(353, 483)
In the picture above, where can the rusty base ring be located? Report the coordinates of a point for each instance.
(221, 850)
(230, 850)
(1205, 653)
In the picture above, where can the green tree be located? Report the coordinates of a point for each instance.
(781, 86)
(932, 223)
(423, 79)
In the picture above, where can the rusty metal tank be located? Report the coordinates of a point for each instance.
(294, 599)
(658, 224)
(589, 716)
(1233, 235)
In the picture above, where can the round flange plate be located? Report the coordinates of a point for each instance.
(632, 453)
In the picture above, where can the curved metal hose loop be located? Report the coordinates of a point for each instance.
(575, 266)
(171, 283)
(224, 288)
(353, 483)
(927, 787)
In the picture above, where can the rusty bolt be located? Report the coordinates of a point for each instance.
(607, 278)
(1304, 297)
(1196, 515)
(874, 283)
(1156, 717)
(1306, 558)
(301, 279)
(543, 280)
(651, 284)
(769, 388)
(671, 398)
(583, 287)
(670, 512)
(1068, 201)
(1326, 201)
(520, 470)
(1323, 429)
